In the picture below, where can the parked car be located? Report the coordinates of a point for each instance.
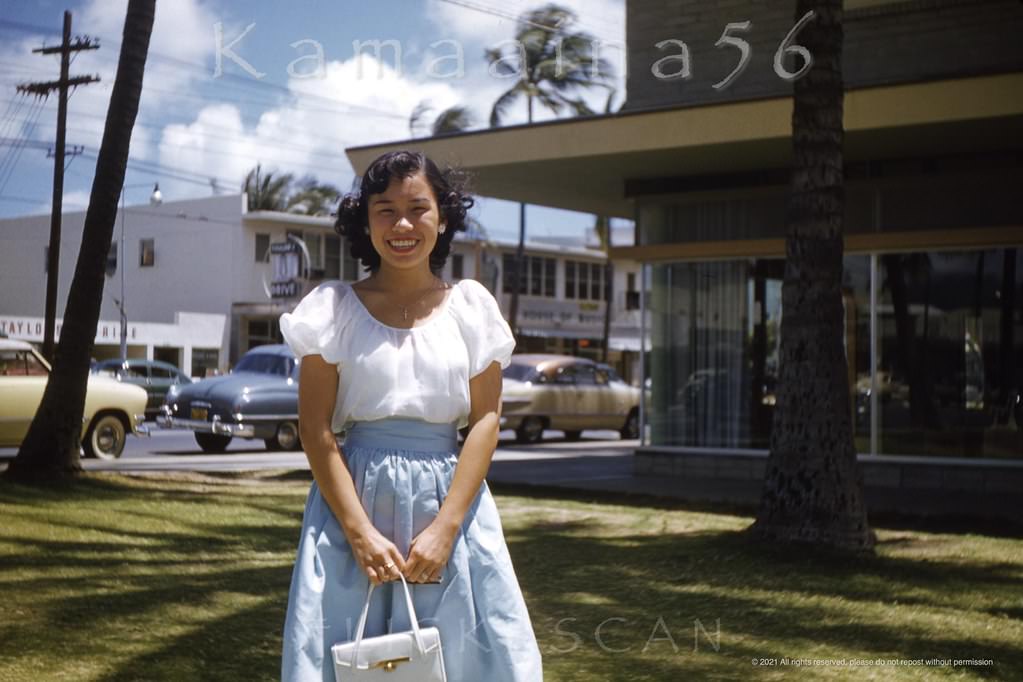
(154, 376)
(566, 393)
(258, 399)
(112, 409)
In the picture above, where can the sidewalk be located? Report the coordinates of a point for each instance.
(607, 468)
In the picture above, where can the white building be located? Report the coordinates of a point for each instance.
(197, 276)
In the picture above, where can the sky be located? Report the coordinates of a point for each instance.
(289, 93)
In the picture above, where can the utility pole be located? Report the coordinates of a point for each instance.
(66, 47)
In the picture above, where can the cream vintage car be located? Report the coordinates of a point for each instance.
(112, 409)
(566, 393)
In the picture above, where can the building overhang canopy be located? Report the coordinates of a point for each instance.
(586, 164)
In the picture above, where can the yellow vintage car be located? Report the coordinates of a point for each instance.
(570, 394)
(112, 409)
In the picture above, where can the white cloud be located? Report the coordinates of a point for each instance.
(76, 200)
(309, 134)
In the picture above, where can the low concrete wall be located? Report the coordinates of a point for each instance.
(916, 486)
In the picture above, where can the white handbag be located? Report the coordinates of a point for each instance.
(410, 656)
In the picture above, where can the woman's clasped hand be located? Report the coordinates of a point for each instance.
(382, 562)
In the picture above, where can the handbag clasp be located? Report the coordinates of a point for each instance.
(390, 664)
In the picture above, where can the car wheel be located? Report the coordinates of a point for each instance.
(631, 428)
(211, 442)
(286, 438)
(573, 435)
(530, 430)
(105, 439)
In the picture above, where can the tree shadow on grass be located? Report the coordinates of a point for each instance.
(957, 524)
(658, 591)
(112, 487)
(202, 601)
(244, 645)
(661, 598)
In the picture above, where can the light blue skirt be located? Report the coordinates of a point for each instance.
(402, 470)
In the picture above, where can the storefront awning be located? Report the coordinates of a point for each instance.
(627, 343)
(584, 164)
(559, 333)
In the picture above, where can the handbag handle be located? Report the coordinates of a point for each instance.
(365, 613)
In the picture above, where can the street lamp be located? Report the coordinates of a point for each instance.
(155, 199)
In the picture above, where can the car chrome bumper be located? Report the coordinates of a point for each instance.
(216, 426)
(139, 427)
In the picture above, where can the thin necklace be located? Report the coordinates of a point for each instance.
(405, 307)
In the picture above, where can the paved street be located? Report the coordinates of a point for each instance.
(599, 458)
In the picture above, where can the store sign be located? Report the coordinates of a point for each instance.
(32, 329)
(286, 259)
(564, 315)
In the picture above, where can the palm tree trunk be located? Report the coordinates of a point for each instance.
(813, 487)
(50, 449)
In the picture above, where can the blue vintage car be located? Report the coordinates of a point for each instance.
(258, 399)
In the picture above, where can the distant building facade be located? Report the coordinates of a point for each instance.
(199, 283)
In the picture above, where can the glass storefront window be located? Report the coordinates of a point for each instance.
(715, 341)
(949, 352)
(951, 365)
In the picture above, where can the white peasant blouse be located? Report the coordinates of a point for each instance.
(383, 371)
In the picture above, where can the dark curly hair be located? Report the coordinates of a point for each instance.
(449, 187)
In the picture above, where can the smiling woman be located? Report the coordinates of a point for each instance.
(399, 361)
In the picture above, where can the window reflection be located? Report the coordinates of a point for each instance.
(950, 352)
(951, 343)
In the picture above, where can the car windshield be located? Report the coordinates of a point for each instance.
(264, 363)
(519, 372)
(611, 374)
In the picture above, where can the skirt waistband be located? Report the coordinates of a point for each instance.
(402, 434)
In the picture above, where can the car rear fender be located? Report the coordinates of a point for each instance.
(283, 402)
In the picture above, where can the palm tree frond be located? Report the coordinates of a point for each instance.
(415, 119)
(453, 120)
(502, 104)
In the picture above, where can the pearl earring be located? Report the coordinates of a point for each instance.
(442, 228)
(365, 229)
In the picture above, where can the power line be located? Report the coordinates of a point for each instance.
(41, 201)
(275, 141)
(162, 169)
(133, 210)
(518, 17)
(11, 161)
(269, 100)
(234, 78)
(14, 107)
(15, 141)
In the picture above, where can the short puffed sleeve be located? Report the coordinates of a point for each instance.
(314, 326)
(487, 336)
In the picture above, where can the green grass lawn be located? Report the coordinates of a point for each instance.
(185, 577)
